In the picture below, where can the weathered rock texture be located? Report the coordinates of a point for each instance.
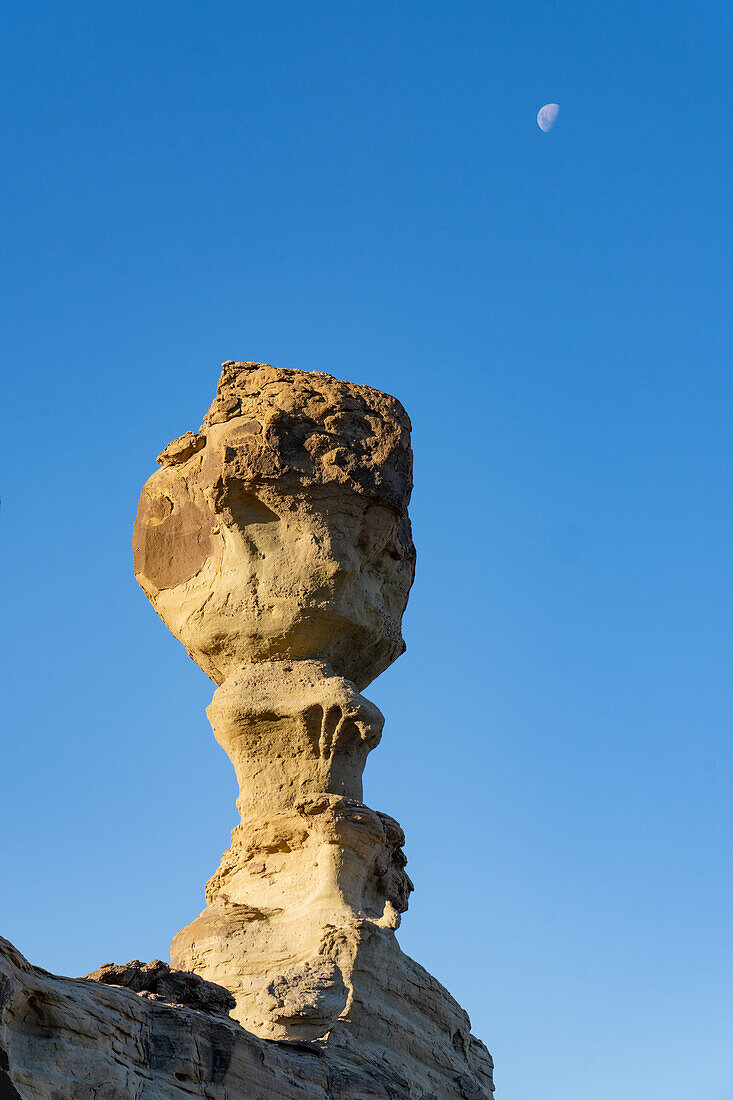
(275, 544)
(280, 530)
(76, 1039)
(157, 981)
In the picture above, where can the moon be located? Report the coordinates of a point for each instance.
(547, 116)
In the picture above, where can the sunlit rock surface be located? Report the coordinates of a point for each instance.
(275, 544)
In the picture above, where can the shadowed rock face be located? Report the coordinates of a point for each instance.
(157, 981)
(281, 528)
(275, 544)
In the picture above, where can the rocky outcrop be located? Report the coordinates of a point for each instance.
(275, 544)
(76, 1039)
(157, 981)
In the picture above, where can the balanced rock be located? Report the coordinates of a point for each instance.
(275, 544)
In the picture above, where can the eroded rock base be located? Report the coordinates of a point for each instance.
(79, 1039)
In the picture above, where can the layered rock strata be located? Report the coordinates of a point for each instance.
(76, 1039)
(275, 544)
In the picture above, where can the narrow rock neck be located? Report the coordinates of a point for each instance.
(311, 871)
(293, 731)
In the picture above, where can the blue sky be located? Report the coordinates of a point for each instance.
(362, 189)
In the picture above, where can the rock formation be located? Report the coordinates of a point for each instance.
(76, 1039)
(275, 544)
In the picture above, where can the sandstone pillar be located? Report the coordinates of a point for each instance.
(275, 544)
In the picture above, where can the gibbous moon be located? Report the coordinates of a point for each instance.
(547, 116)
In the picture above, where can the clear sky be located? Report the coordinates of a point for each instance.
(362, 188)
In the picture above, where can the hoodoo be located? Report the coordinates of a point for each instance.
(275, 544)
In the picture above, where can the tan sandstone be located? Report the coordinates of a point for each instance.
(275, 544)
(78, 1039)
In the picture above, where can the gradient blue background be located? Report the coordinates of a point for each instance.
(361, 188)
